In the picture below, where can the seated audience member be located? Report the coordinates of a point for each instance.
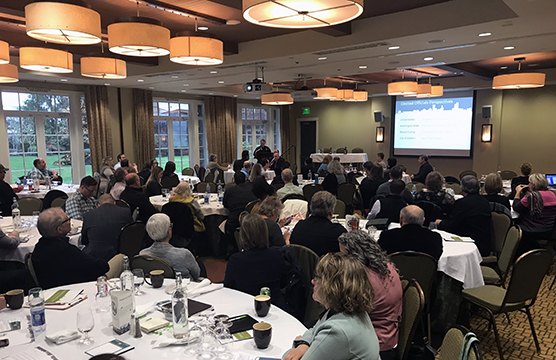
(390, 206)
(254, 172)
(405, 177)
(82, 201)
(261, 188)
(246, 169)
(101, 228)
(434, 193)
(336, 176)
(266, 168)
(323, 168)
(390, 163)
(536, 206)
(522, 179)
(370, 183)
(120, 157)
(136, 198)
(470, 216)
(380, 160)
(9, 241)
(153, 183)
(7, 193)
(159, 229)
(39, 171)
(424, 169)
(235, 199)
(130, 168)
(277, 163)
(386, 285)
(412, 236)
(238, 164)
(395, 174)
(55, 260)
(170, 173)
(318, 232)
(344, 331)
(270, 210)
(119, 184)
(288, 188)
(493, 188)
(258, 265)
(213, 163)
(183, 194)
(306, 167)
(145, 173)
(107, 169)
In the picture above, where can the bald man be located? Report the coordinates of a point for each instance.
(136, 198)
(412, 235)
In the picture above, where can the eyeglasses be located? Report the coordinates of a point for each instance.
(317, 277)
(63, 222)
(171, 225)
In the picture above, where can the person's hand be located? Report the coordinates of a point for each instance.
(287, 236)
(297, 353)
(411, 176)
(438, 221)
(518, 189)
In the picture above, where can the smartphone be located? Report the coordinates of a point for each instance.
(4, 342)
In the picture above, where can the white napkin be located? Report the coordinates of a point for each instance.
(172, 341)
(63, 336)
(141, 310)
(196, 288)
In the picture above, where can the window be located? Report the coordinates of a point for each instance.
(171, 133)
(22, 141)
(203, 155)
(255, 126)
(85, 129)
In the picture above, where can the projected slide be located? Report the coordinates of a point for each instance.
(439, 126)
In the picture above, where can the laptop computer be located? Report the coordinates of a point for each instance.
(551, 178)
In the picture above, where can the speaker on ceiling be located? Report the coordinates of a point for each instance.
(487, 111)
(378, 116)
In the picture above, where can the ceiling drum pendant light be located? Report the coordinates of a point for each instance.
(63, 22)
(138, 36)
(359, 95)
(343, 95)
(402, 88)
(45, 60)
(326, 93)
(276, 99)
(103, 68)
(4, 52)
(518, 80)
(436, 90)
(301, 14)
(423, 90)
(192, 49)
(8, 73)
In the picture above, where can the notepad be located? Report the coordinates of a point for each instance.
(151, 324)
(63, 299)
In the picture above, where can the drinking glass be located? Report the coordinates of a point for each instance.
(207, 345)
(165, 192)
(85, 324)
(138, 280)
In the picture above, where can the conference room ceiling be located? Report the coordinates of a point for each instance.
(357, 52)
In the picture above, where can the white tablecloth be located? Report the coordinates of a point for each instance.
(193, 180)
(67, 188)
(344, 158)
(33, 233)
(212, 208)
(225, 301)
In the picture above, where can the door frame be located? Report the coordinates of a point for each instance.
(298, 137)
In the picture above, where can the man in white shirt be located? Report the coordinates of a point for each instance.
(120, 158)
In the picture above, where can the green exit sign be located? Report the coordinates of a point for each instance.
(306, 111)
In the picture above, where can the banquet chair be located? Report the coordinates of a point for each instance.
(28, 205)
(340, 209)
(455, 186)
(169, 182)
(327, 150)
(453, 342)
(451, 179)
(357, 150)
(202, 187)
(467, 172)
(51, 195)
(149, 263)
(413, 303)
(188, 171)
(201, 173)
(507, 253)
(432, 211)
(182, 219)
(59, 202)
(31, 268)
(418, 186)
(122, 203)
(251, 205)
(310, 190)
(527, 276)
(197, 168)
(131, 239)
(507, 174)
(210, 177)
(500, 226)
(346, 193)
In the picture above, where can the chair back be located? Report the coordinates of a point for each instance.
(527, 276)
(507, 254)
(432, 211)
(293, 206)
(202, 187)
(31, 268)
(28, 205)
(310, 190)
(507, 174)
(416, 265)
(169, 182)
(451, 179)
(357, 150)
(219, 176)
(346, 193)
(131, 239)
(149, 263)
(327, 150)
(454, 341)
(122, 203)
(103, 187)
(467, 172)
(188, 171)
(340, 209)
(418, 186)
(455, 186)
(51, 195)
(201, 173)
(292, 197)
(182, 219)
(59, 202)
(210, 177)
(413, 303)
(251, 204)
(196, 168)
(500, 224)
(308, 260)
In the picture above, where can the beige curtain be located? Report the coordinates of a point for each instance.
(143, 126)
(285, 135)
(221, 126)
(98, 124)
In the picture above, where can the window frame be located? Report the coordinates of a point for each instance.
(273, 141)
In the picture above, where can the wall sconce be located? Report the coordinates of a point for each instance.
(486, 135)
(380, 134)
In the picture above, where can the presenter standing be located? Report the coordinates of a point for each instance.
(424, 169)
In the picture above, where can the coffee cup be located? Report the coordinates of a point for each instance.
(262, 305)
(262, 333)
(156, 277)
(14, 299)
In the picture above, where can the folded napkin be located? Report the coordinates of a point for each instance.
(62, 336)
(141, 310)
(170, 341)
(196, 288)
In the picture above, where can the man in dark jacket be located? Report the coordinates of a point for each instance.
(390, 206)
(424, 169)
(136, 198)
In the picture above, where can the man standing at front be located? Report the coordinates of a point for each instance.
(82, 201)
(261, 148)
(39, 171)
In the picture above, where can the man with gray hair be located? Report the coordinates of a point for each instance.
(289, 188)
(470, 216)
(55, 260)
(159, 229)
(412, 235)
(318, 232)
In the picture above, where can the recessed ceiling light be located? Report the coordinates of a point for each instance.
(185, 84)
(211, 93)
(393, 48)
(429, 58)
(203, 28)
(221, 82)
(235, 95)
(322, 58)
(140, 80)
(485, 34)
(151, 87)
(233, 22)
(533, 65)
(509, 47)
(214, 72)
(183, 90)
(362, 66)
(106, 84)
(63, 79)
(175, 77)
(503, 67)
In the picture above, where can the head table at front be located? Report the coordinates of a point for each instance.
(225, 301)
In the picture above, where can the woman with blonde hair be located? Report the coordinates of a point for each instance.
(107, 169)
(255, 172)
(336, 176)
(493, 188)
(183, 195)
(154, 187)
(345, 331)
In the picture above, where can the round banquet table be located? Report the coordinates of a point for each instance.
(32, 233)
(214, 207)
(225, 301)
(193, 180)
(67, 188)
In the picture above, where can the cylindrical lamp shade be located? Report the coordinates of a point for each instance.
(47, 60)
(196, 50)
(343, 95)
(518, 81)
(296, 14)
(103, 68)
(359, 96)
(8, 73)
(402, 88)
(4, 52)
(327, 93)
(436, 90)
(62, 23)
(276, 99)
(138, 39)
